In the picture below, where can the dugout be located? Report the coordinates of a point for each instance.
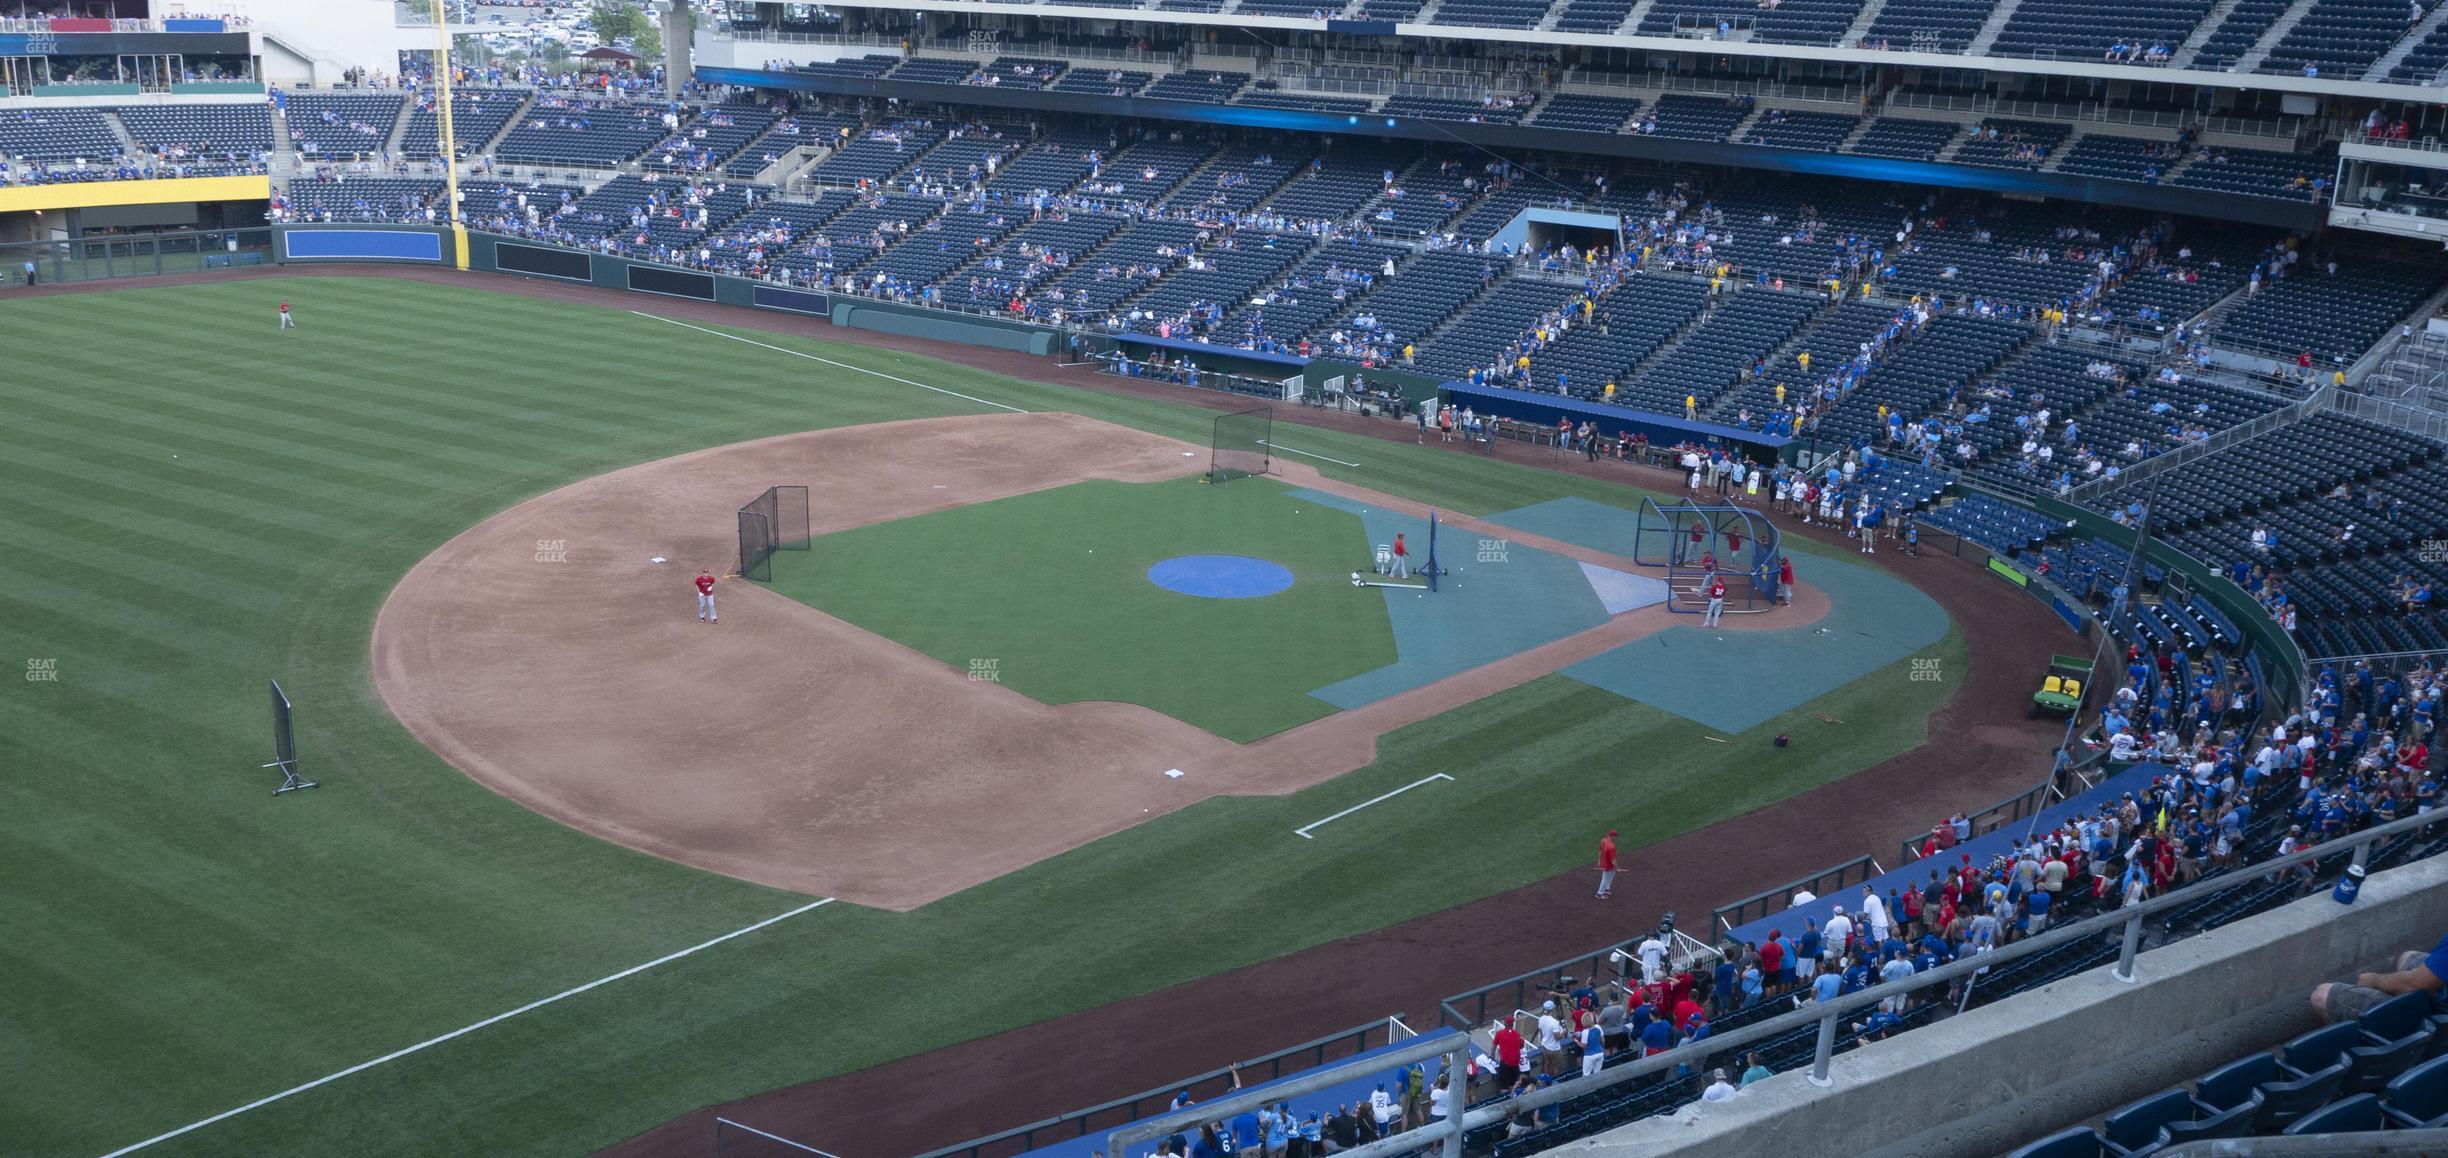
(1542, 409)
(1693, 541)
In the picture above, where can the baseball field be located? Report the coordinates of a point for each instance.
(410, 511)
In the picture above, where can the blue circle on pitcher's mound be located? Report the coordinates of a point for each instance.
(1220, 576)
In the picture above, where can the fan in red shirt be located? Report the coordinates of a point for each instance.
(1771, 960)
(1507, 1043)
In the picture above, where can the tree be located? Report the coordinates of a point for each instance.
(615, 20)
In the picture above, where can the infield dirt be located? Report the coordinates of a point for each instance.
(542, 653)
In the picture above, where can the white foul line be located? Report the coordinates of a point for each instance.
(1303, 831)
(828, 361)
(1297, 450)
(800, 1146)
(465, 1030)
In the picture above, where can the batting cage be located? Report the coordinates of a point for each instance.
(776, 521)
(1244, 444)
(1693, 542)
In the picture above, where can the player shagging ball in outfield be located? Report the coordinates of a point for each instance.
(287, 322)
(705, 596)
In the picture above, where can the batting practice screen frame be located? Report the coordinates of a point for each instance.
(774, 521)
(1244, 444)
(284, 736)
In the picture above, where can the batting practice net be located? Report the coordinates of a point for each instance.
(776, 521)
(1244, 444)
(284, 744)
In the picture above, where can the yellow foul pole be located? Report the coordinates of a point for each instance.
(447, 139)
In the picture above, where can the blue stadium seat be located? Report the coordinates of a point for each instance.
(2078, 1142)
(2355, 1115)
(2418, 1098)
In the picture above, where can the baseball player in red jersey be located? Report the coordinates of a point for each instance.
(1716, 601)
(705, 596)
(287, 322)
(1402, 558)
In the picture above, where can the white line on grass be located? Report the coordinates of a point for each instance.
(828, 361)
(465, 1030)
(800, 1146)
(1303, 831)
(1299, 451)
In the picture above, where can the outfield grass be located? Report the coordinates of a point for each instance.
(1052, 589)
(194, 503)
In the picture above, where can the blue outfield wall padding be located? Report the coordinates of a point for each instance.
(1322, 1102)
(360, 245)
(2072, 617)
(797, 301)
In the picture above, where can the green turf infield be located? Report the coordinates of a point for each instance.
(1048, 594)
(193, 503)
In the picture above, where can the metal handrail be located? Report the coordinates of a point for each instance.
(1728, 918)
(1828, 1015)
(1076, 1123)
(2414, 419)
(2376, 657)
(2191, 452)
(2019, 806)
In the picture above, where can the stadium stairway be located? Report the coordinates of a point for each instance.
(2270, 36)
(1632, 19)
(399, 129)
(2432, 21)
(282, 161)
(1668, 349)
(127, 141)
(1860, 27)
(1988, 34)
(2193, 42)
(509, 125)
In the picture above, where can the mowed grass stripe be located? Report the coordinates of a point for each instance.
(211, 498)
(278, 392)
(404, 901)
(78, 515)
(225, 456)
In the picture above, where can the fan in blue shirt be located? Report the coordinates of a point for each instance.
(1657, 1036)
